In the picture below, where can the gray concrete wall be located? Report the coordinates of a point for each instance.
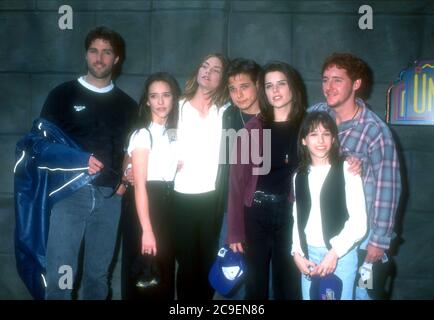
(35, 56)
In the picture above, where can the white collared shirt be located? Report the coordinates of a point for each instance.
(91, 87)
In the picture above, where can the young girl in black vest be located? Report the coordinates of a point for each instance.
(329, 210)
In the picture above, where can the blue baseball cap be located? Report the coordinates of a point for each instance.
(326, 288)
(227, 271)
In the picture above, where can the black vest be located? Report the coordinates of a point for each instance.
(333, 205)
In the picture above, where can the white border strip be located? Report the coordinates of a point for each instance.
(19, 160)
(43, 279)
(63, 169)
(71, 181)
(87, 85)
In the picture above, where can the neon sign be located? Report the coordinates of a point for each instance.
(410, 100)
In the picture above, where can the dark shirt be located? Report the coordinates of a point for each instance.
(243, 184)
(283, 159)
(97, 122)
(235, 119)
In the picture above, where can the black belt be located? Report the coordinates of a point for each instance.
(166, 186)
(260, 196)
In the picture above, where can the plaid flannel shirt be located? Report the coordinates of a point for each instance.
(369, 139)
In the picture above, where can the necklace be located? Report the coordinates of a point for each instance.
(241, 116)
(242, 119)
(357, 111)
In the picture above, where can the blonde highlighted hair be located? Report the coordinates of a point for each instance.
(220, 96)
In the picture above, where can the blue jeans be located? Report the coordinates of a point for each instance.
(346, 270)
(382, 275)
(85, 216)
(362, 293)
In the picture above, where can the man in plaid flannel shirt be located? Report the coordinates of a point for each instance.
(364, 135)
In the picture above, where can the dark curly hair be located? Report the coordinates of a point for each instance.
(115, 40)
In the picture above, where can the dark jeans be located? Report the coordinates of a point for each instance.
(196, 243)
(86, 220)
(160, 196)
(268, 227)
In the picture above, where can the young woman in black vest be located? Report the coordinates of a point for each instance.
(329, 211)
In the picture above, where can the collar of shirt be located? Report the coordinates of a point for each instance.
(87, 85)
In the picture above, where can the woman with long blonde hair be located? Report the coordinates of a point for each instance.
(197, 219)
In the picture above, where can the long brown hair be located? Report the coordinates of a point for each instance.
(295, 84)
(145, 114)
(220, 96)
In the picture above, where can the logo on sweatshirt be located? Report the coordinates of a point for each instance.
(79, 108)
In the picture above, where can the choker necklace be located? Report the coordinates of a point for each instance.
(357, 111)
(241, 116)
